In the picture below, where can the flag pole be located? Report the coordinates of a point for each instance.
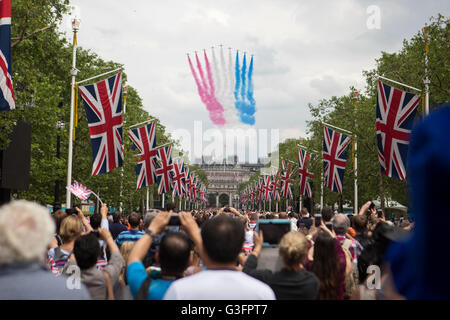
(148, 195)
(396, 82)
(73, 72)
(337, 128)
(125, 90)
(163, 196)
(100, 75)
(426, 81)
(355, 145)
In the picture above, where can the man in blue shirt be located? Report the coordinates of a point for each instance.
(134, 234)
(173, 256)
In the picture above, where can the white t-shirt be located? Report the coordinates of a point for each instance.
(219, 285)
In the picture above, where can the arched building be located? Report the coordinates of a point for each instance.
(223, 181)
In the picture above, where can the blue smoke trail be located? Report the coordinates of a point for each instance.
(244, 70)
(246, 109)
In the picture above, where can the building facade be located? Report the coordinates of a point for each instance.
(224, 178)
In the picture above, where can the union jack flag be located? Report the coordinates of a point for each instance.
(103, 104)
(275, 185)
(267, 187)
(286, 181)
(7, 100)
(203, 194)
(334, 158)
(305, 176)
(396, 110)
(178, 178)
(79, 190)
(193, 188)
(164, 169)
(144, 139)
(261, 189)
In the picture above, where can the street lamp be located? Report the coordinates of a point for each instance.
(73, 73)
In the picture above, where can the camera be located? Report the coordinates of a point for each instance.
(70, 211)
(95, 232)
(273, 230)
(317, 220)
(174, 220)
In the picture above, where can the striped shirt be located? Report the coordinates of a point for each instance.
(129, 235)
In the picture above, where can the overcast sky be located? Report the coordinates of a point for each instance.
(303, 50)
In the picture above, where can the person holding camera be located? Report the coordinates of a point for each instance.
(293, 281)
(173, 256)
(86, 251)
(218, 244)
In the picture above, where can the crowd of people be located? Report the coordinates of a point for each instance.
(218, 253)
(198, 254)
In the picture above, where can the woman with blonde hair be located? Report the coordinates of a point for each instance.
(293, 281)
(71, 228)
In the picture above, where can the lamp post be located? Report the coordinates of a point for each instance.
(73, 72)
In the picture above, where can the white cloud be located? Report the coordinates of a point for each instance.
(303, 51)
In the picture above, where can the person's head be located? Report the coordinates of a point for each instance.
(26, 230)
(125, 249)
(116, 217)
(293, 249)
(325, 265)
(71, 228)
(223, 238)
(174, 253)
(95, 221)
(341, 223)
(170, 206)
(58, 217)
(327, 214)
(149, 217)
(134, 219)
(283, 215)
(86, 250)
(359, 224)
(304, 212)
(404, 224)
(254, 216)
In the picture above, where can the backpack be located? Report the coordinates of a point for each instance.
(351, 279)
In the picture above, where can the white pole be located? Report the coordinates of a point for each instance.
(148, 198)
(100, 75)
(163, 200)
(355, 206)
(300, 207)
(426, 81)
(277, 206)
(73, 72)
(321, 190)
(125, 89)
(399, 83)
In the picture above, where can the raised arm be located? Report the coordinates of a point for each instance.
(158, 225)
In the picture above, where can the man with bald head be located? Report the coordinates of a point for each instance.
(341, 224)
